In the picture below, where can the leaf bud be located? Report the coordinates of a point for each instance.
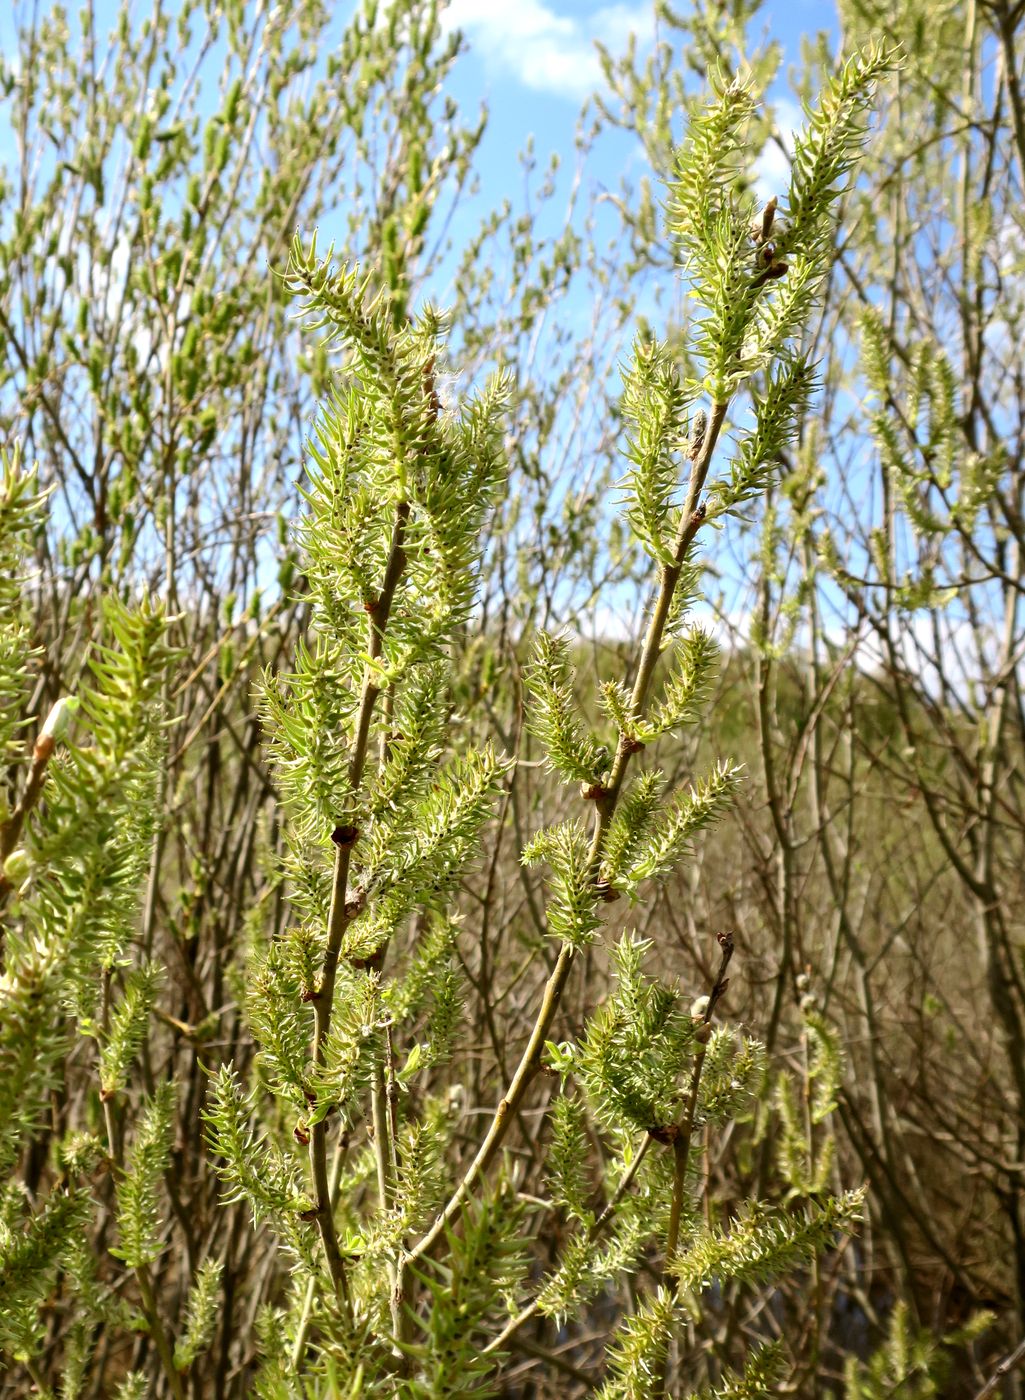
(54, 728)
(455, 1100)
(58, 721)
(17, 866)
(768, 217)
(697, 436)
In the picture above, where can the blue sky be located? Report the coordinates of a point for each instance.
(534, 63)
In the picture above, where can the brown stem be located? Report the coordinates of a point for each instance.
(595, 1229)
(1009, 1364)
(1005, 29)
(156, 1331)
(306, 1318)
(529, 1066)
(11, 829)
(149, 1303)
(685, 1128)
(340, 916)
(682, 1133)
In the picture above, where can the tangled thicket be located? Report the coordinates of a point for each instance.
(409, 989)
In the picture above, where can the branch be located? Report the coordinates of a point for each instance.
(605, 805)
(1009, 1364)
(684, 1130)
(339, 916)
(594, 1230)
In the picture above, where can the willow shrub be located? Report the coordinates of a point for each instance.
(411, 1256)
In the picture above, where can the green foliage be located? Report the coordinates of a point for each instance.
(763, 1372)
(128, 1027)
(200, 1314)
(637, 1045)
(20, 516)
(352, 1050)
(280, 1018)
(417, 852)
(554, 717)
(572, 910)
(654, 408)
(89, 873)
(85, 816)
(138, 1190)
(911, 1362)
(588, 1269)
(807, 1170)
(568, 1159)
(733, 1075)
(252, 1170)
(638, 1354)
(483, 1264)
(632, 824)
(778, 413)
(32, 1043)
(385, 803)
(133, 1387)
(339, 966)
(806, 1156)
(754, 282)
(683, 694)
(710, 224)
(686, 690)
(941, 483)
(684, 816)
(825, 1068)
(31, 1252)
(828, 148)
(763, 1242)
(396, 494)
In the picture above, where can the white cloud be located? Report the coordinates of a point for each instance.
(543, 49)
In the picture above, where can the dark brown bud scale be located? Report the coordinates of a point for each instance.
(769, 216)
(697, 437)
